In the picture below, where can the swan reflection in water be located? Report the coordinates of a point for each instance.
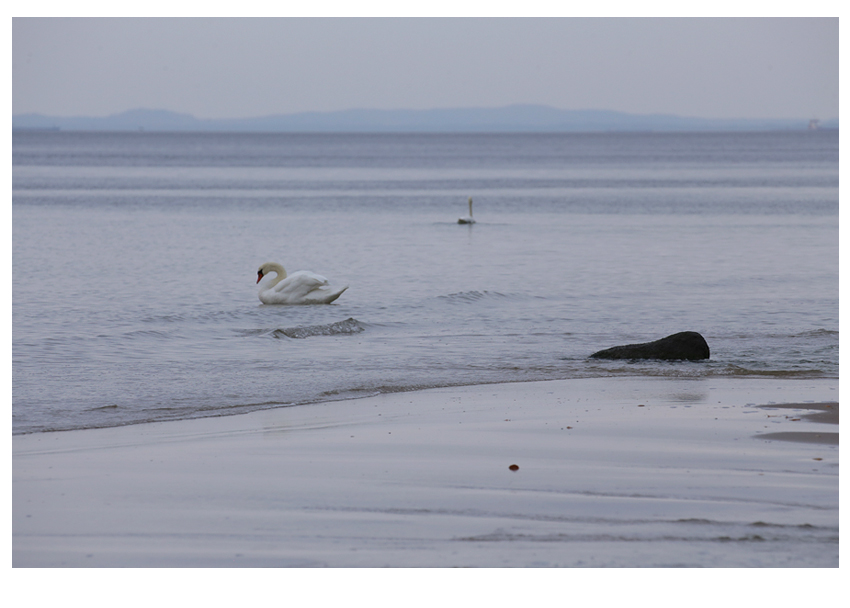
(468, 219)
(302, 287)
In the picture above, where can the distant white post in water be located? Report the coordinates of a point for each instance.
(468, 219)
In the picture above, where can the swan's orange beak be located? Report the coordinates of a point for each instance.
(259, 275)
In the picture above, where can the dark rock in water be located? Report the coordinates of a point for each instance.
(687, 345)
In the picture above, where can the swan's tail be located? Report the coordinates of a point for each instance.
(332, 295)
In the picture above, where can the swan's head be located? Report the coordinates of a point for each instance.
(270, 267)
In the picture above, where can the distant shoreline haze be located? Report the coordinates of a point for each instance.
(514, 118)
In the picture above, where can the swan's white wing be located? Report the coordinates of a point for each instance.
(300, 283)
(302, 287)
(303, 279)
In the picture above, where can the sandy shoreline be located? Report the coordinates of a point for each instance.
(611, 472)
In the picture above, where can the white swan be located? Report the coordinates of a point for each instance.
(468, 219)
(302, 287)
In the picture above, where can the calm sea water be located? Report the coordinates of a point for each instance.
(135, 259)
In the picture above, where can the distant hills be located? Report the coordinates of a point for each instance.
(515, 118)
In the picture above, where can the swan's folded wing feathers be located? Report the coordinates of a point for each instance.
(303, 279)
(299, 285)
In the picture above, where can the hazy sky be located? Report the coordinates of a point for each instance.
(235, 68)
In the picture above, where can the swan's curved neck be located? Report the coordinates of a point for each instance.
(277, 269)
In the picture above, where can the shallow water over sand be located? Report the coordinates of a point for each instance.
(135, 259)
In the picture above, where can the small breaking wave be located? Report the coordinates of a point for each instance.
(580, 368)
(349, 326)
(817, 333)
(147, 333)
(471, 296)
(737, 370)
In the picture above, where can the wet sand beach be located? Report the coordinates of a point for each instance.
(826, 413)
(603, 472)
